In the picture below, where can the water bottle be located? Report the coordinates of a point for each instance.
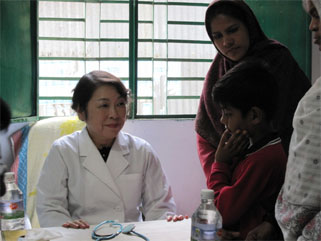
(12, 215)
(206, 220)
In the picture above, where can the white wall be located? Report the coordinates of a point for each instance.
(175, 143)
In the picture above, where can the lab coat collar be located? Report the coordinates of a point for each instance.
(116, 161)
(93, 162)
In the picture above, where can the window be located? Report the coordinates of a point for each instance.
(160, 50)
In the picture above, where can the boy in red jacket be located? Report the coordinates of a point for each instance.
(250, 163)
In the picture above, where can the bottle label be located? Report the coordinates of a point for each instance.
(204, 232)
(11, 210)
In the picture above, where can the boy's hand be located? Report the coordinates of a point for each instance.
(229, 148)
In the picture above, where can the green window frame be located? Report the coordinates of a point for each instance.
(135, 81)
(20, 68)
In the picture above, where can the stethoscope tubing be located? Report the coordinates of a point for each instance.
(99, 237)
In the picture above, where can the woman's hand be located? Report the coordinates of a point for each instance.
(77, 224)
(176, 218)
(265, 231)
(230, 147)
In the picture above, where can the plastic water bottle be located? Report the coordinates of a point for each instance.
(206, 220)
(12, 215)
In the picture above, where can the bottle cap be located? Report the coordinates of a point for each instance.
(9, 177)
(207, 194)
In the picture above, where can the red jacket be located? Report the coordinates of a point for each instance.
(244, 195)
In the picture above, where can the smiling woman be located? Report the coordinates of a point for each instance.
(101, 172)
(105, 113)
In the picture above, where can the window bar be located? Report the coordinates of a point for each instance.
(99, 43)
(167, 58)
(85, 37)
(153, 66)
(133, 24)
(37, 57)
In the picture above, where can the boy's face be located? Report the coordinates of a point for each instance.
(233, 119)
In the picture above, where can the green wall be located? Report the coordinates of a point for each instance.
(287, 22)
(18, 80)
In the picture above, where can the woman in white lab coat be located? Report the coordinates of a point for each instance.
(101, 173)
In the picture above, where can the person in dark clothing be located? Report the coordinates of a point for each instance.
(5, 121)
(237, 35)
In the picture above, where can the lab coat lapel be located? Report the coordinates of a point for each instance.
(93, 162)
(116, 161)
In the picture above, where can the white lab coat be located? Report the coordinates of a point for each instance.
(75, 182)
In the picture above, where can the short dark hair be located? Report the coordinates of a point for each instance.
(5, 115)
(90, 82)
(248, 84)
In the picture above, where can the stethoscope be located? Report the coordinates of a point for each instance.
(129, 229)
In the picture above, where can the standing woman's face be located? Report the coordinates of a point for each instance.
(106, 115)
(315, 23)
(230, 36)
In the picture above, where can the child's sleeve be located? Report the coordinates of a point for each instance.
(235, 199)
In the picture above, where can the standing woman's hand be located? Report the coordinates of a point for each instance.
(77, 224)
(229, 235)
(230, 147)
(264, 231)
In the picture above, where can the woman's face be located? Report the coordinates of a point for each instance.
(106, 115)
(230, 36)
(315, 23)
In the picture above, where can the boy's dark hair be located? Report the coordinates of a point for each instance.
(248, 84)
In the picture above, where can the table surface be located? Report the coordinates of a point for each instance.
(159, 230)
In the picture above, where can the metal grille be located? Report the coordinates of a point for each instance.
(165, 72)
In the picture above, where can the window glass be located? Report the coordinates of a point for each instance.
(76, 38)
(173, 52)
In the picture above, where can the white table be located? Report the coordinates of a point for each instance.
(160, 230)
